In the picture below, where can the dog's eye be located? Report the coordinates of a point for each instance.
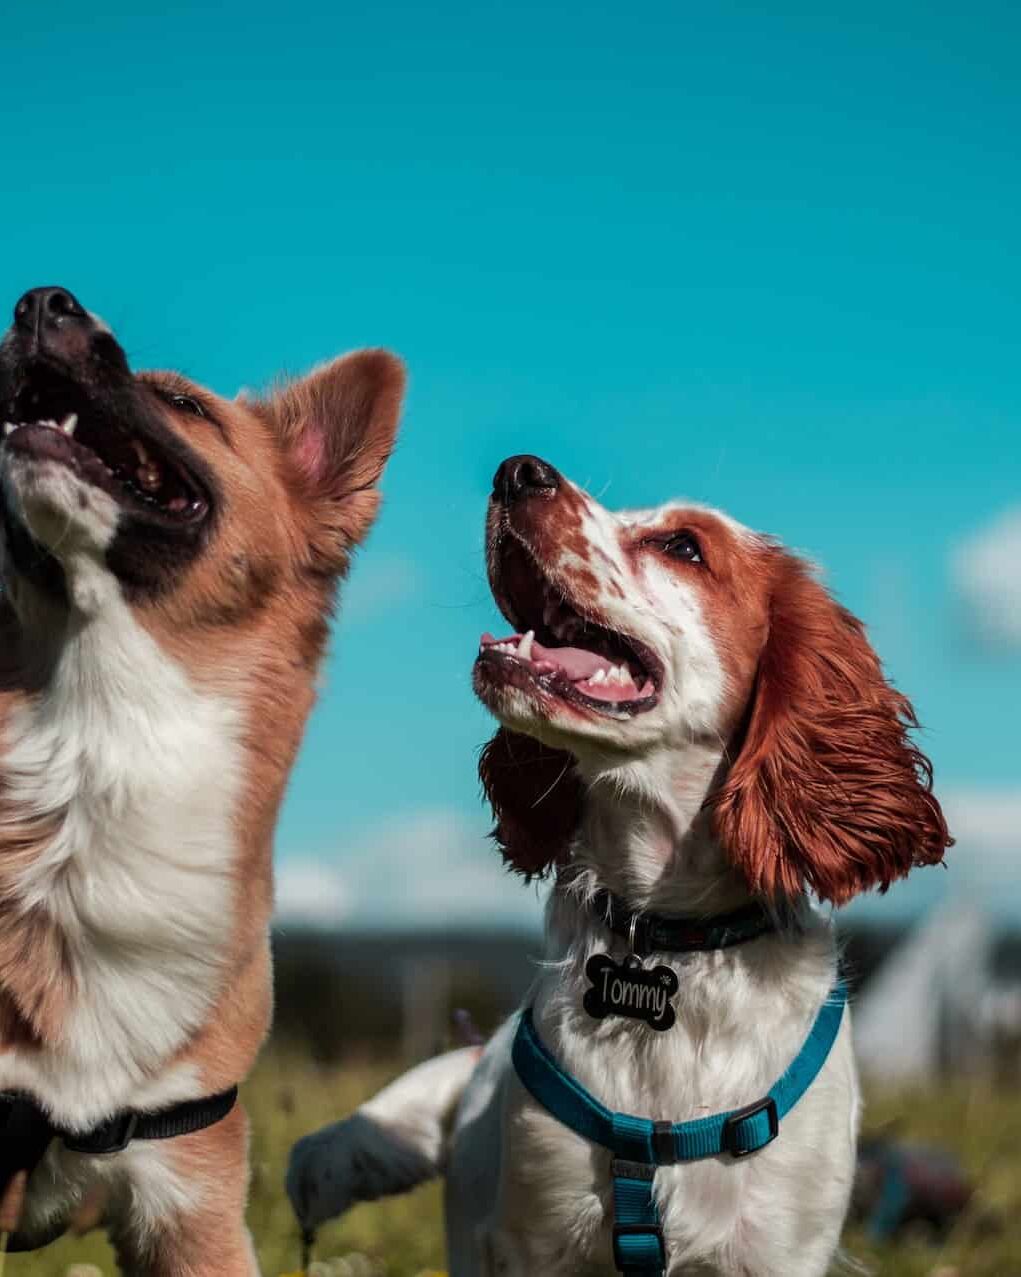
(683, 546)
(185, 403)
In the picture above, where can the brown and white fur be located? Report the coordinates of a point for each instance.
(719, 731)
(170, 560)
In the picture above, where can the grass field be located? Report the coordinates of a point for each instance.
(403, 1238)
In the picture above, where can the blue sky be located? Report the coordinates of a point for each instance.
(766, 261)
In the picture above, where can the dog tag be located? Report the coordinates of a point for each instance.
(631, 990)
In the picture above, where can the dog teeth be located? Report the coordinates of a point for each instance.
(149, 477)
(525, 646)
(67, 426)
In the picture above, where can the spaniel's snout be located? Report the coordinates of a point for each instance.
(524, 476)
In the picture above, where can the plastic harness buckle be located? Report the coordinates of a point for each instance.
(629, 1263)
(639, 1247)
(731, 1131)
(663, 1145)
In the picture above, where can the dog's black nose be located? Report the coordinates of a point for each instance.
(51, 327)
(48, 307)
(524, 476)
(53, 321)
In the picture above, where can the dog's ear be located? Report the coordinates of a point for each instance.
(535, 793)
(827, 792)
(338, 426)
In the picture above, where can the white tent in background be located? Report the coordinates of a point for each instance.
(920, 1016)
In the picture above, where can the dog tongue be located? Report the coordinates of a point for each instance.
(574, 662)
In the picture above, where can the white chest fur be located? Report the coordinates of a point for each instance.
(141, 771)
(742, 1016)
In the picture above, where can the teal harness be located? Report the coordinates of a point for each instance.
(639, 1145)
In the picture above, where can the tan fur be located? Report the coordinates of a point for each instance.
(211, 1238)
(35, 983)
(247, 619)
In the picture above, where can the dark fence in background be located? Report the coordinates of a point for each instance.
(343, 994)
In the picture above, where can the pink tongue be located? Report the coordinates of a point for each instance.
(575, 662)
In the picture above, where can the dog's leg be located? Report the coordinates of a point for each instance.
(161, 1257)
(183, 1214)
(229, 1257)
(396, 1140)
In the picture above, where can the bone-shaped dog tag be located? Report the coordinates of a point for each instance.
(631, 990)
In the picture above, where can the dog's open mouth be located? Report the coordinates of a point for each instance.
(560, 650)
(53, 419)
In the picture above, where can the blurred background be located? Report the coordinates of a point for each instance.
(763, 259)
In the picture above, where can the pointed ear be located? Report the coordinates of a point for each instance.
(828, 792)
(338, 426)
(536, 794)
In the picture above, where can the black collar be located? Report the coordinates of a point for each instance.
(662, 933)
(26, 1131)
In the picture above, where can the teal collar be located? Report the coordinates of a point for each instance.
(639, 1145)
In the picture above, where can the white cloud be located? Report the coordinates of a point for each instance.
(311, 892)
(435, 868)
(378, 583)
(983, 868)
(986, 571)
(987, 825)
(431, 868)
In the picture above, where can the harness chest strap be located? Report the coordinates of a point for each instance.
(639, 1145)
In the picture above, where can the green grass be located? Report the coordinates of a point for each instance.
(287, 1098)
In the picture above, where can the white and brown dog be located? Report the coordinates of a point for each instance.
(170, 561)
(693, 730)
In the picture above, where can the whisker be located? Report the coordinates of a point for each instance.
(563, 773)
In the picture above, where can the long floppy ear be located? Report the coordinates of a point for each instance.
(828, 791)
(535, 793)
(338, 426)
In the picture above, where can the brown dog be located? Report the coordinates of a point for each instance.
(169, 564)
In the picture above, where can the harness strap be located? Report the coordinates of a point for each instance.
(638, 1246)
(638, 1240)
